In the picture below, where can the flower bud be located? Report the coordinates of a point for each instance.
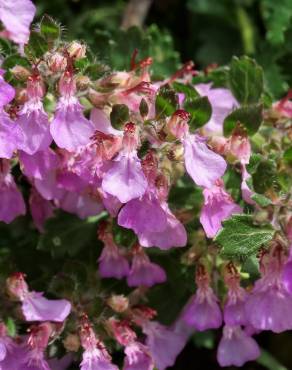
(20, 73)
(76, 50)
(82, 82)
(119, 303)
(72, 343)
(57, 63)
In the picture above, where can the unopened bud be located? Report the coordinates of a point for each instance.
(72, 343)
(20, 73)
(119, 303)
(82, 82)
(57, 63)
(76, 50)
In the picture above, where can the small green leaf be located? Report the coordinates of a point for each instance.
(11, 327)
(246, 80)
(81, 63)
(250, 116)
(50, 29)
(265, 176)
(37, 45)
(288, 155)
(166, 102)
(261, 200)
(200, 110)
(14, 60)
(188, 90)
(119, 115)
(241, 238)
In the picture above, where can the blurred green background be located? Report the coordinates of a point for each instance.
(207, 32)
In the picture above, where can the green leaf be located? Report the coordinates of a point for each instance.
(288, 155)
(265, 176)
(269, 361)
(119, 115)
(200, 110)
(277, 16)
(246, 80)
(241, 238)
(261, 200)
(14, 60)
(50, 29)
(66, 235)
(37, 45)
(188, 90)
(166, 102)
(250, 116)
(11, 327)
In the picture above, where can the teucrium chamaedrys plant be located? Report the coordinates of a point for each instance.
(93, 157)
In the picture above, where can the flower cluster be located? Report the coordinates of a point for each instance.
(61, 148)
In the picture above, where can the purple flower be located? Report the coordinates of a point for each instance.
(7, 92)
(39, 164)
(17, 15)
(10, 136)
(143, 272)
(69, 128)
(111, 203)
(202, 312)
(287, 273)
(62, 363)
(125, 178)
(35, 307)
(163, 343)
(33, 120)
(112, 264)
(40, 208)
(202, 164)
(222, 102)
(269, 305)
(12, 203)
(218, 206)
(95, 355)
(102, 123)
(236, 347)
(83, 205)
(137, 357)
(246, 192)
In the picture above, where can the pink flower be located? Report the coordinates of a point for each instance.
(269, 305)
(7, 92)
(236, 347)
(137, 357)
(218, 206)
(83, 204)
(246, 192)
(69, 128)
(287, 273)
(111, 261)
(12, 203)
(35, 307)
(40, 208)
(62, 363)
(143, 272)
(33, 120)
(202, 311)
(222, 102)
(17, 15)
(125, 178)
(202, 164)
(164, 344)
(95, 355)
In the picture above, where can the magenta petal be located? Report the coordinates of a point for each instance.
(83, 205)
(218, 206)
(35, 128)
(145, 273)
(142, 215)
(48, 187)
(39, 164)
(10, 136)
(137, 357)
(111, 203)
(69, 128)
(12, 204)
(92, 360)
(163, 343)
(102, 123)
(287, 275)
(62, 363)
(35, 307)
(17, 15)
(71, 181)
(202, 311)
(202, 164)
(112, 264)
(7, 92)
(125, 178)
(41, 209)
(236, 347)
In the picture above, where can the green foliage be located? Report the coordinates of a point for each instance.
(49, 29)
(246, 80)
(37, 45)
(249, 116)
(166, 102)
(119, 115)
(200, 110)
(240, 237)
